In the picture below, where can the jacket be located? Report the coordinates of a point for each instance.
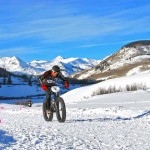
(47, 75)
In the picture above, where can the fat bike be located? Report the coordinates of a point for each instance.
(57, 106)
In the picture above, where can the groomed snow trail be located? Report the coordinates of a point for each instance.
(86, 129)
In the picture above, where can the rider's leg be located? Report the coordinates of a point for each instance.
(48, 98)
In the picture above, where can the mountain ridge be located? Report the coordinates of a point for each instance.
(131, 57)
(37, 67)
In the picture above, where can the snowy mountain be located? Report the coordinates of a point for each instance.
(130, 59)
(36, 67)
(68, 66)
(18, 66)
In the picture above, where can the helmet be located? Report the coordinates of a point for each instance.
(56, 68)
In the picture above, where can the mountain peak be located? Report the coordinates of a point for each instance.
(14, 57)
(58, 58)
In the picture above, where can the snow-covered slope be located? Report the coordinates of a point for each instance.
(120, 63)
(141, 80)
(35, 67)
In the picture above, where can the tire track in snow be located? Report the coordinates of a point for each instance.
(29, 129)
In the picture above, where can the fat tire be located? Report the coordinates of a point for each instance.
(60, 118)
(50, 118)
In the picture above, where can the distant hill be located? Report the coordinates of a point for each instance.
(132, 58)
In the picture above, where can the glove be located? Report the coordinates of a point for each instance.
(66, 84)
(44, 87)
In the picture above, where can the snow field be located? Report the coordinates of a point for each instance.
(85, 128)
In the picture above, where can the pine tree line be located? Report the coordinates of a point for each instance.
(7, 77)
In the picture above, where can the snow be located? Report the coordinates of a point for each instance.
(141, 80)
(16, 65)
(19, 90)
(83, 76)
(87, 127)
(111, 122)
(36, 67)
(127, 61)
(138, 70)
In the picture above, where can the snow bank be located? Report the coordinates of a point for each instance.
(83, 93)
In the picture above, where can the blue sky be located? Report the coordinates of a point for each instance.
(44, 29)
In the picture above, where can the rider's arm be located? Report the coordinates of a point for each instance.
(64, 79)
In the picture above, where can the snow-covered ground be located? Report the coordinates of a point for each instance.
(116, 121)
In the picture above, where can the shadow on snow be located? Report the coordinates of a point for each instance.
(5, 140)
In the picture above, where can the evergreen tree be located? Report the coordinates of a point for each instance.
(25, 77)
(30, 82)
(4, 80)
(9, 81)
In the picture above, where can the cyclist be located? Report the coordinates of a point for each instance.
(52, 75)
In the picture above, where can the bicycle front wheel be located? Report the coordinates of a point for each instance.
(60, 110)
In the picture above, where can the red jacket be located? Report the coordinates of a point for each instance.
(48, 75)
